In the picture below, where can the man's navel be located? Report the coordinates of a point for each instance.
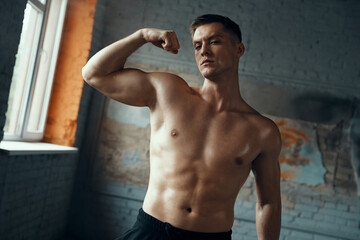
(239, 160)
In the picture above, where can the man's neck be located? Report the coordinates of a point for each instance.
(223, 93)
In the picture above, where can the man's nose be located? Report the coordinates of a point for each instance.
(204, 50)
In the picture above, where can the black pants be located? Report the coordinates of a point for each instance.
(149, 228)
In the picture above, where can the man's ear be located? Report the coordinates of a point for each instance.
(240, 49)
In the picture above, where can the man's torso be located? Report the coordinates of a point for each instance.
(199, 158)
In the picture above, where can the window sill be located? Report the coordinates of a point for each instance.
(31, 148)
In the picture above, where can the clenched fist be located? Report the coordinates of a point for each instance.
(164, 39)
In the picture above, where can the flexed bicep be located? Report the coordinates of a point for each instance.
(105, 70)
(129, 86)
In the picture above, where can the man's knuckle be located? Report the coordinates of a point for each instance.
(169, 33)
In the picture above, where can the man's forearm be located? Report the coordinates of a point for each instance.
(113, 57)
(268, 220)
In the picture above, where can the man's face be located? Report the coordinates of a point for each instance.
(216, 51)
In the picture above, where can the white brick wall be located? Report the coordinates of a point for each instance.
(297, 43)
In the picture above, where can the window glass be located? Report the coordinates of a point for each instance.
(22, 73)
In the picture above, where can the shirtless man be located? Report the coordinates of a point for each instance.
(204, 140)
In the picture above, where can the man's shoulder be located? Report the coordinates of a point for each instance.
(170, 88)
(266, 129)
(269, 135)
(265, 122)
(167, 79)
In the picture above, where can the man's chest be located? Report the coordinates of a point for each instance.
(197, 133)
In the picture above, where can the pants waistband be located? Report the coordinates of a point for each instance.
(149, 221)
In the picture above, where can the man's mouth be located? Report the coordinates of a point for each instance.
(205, 62)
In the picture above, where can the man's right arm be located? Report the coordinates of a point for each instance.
(105, 70)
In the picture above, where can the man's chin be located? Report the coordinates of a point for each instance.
(206, 73)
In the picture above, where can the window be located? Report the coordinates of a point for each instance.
(34, 70)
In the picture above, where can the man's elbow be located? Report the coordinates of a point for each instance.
(274, 205)
(86, 74)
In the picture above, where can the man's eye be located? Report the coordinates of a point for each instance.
(214, 42)
(197, 47)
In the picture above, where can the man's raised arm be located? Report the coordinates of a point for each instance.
(105, 70)
(267, 178)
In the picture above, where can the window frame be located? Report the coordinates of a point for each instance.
(26, 105)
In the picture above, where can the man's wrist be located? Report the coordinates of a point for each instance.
(142, 34)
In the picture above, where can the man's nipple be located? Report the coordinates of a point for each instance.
(174, 133)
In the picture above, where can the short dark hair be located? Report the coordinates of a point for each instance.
(228, 24)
